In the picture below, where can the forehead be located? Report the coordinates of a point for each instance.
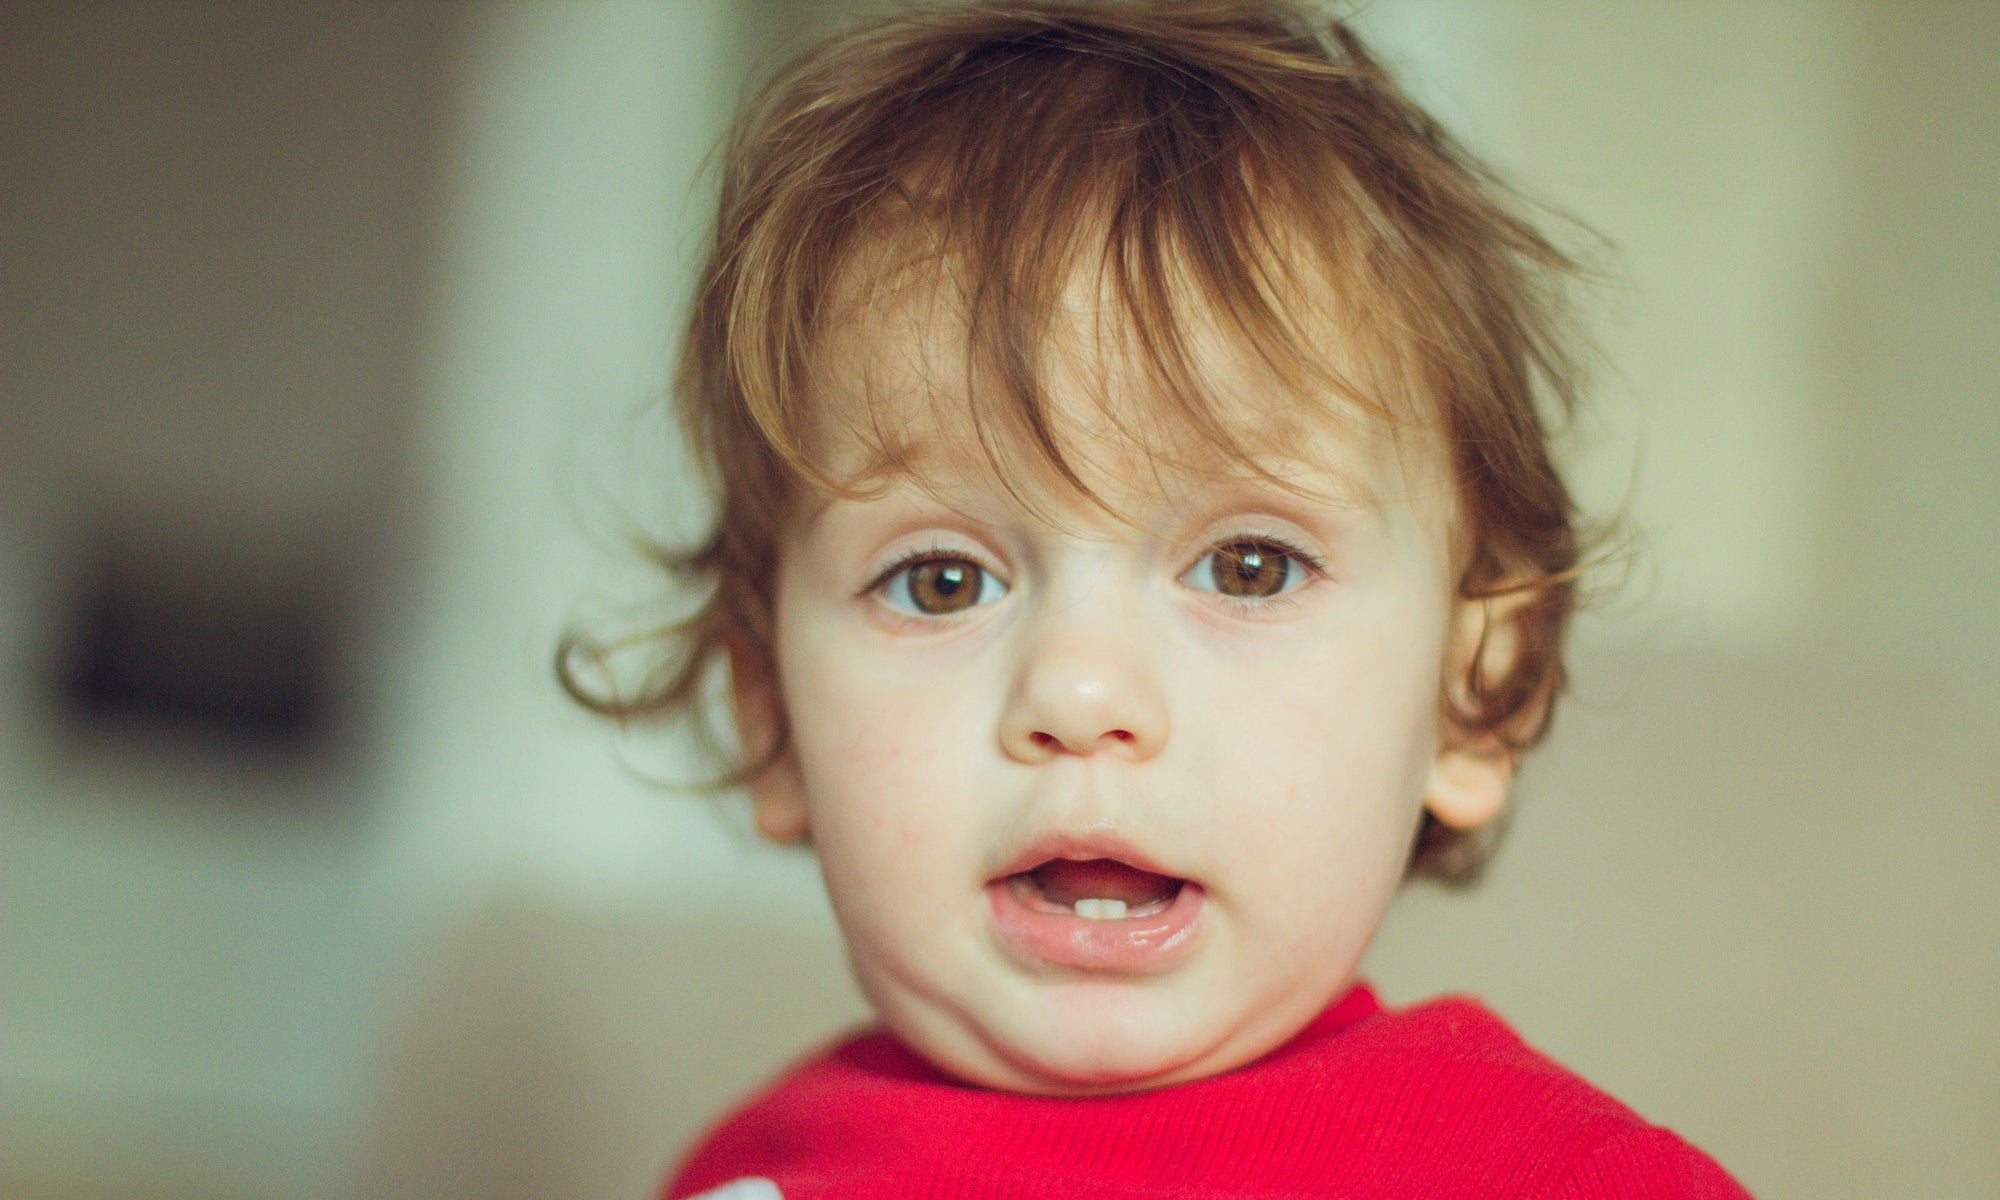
(1098, 398)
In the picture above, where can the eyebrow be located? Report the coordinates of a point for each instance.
(991, 500)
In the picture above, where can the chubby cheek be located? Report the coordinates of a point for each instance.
(883, 759)
(866, 734)
(1326, 748)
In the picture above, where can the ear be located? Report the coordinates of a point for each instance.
(1469, 778)
(777, 791)
(1468, 783)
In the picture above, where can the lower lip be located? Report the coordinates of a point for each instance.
(1130, 945)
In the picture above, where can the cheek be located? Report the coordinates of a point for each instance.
(888, 761)
(1361, 699)
(883, 751)
(855, 715)
(1323, 744)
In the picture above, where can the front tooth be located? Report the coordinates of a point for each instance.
(1100, 910)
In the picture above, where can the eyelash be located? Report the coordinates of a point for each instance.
(934, 552)
(910, 558)
(1312, 564)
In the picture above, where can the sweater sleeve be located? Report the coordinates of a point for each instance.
(1647, 1163)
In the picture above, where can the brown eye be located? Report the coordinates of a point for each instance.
(937, 587)
(1249, 570)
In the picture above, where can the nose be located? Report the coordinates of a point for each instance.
(1085, 689)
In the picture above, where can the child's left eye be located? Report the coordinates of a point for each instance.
(1250, 569)
(939, 586)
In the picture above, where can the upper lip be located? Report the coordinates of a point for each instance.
(1081, 847)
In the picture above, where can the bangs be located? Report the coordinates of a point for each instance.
(911, 383)
(1057, 199)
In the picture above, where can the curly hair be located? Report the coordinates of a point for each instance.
(1246, 162)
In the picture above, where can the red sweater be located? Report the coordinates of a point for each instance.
(1436, 1100)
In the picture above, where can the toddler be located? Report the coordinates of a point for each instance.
(1136, 553)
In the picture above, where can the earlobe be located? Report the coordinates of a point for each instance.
(779, 805)
(1468, 783)
(777, 793)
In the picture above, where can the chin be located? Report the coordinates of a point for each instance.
(1106, 1040)
(1104, 1058)
(1107, 1079)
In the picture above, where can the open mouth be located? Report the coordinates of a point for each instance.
(1096, 915)
(1097, 889)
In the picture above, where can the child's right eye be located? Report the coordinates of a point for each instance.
(939, 586)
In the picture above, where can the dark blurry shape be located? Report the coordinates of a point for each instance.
(216, 258)
(199, 646)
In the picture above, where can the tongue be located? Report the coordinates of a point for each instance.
(1065, 882)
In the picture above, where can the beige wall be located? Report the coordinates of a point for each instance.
(1750, 887)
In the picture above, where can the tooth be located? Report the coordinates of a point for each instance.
(1100, 910)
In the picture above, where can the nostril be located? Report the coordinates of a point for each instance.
(1041, 739)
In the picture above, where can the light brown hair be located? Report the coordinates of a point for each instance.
(1244, 162)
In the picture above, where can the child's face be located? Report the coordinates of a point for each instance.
(1104, 803)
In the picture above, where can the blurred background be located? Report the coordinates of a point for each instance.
(331, 343)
